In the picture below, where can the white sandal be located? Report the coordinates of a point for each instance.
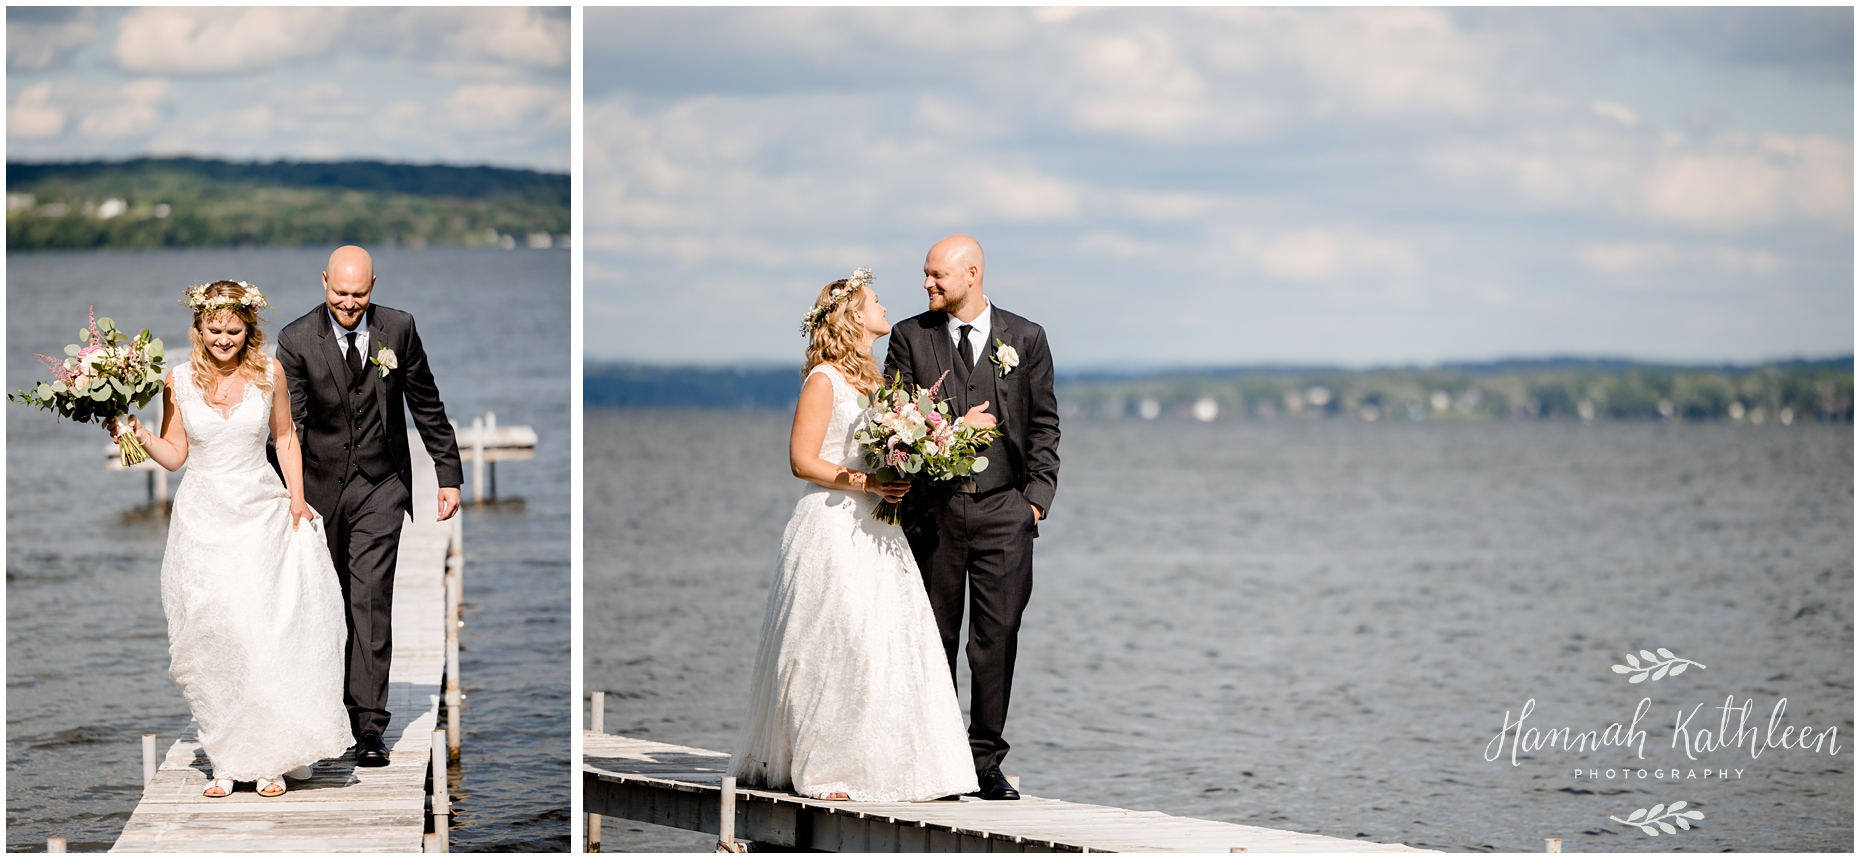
(265, 784)
(224, 785)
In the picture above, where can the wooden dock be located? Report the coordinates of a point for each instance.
(681, 787)
(342, 808)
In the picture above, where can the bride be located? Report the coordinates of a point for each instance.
(255, 619)
(852, 697)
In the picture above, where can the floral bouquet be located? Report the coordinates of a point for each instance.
(911, 435)
(105, 375)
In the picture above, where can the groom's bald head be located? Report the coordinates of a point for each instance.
(348, 284)
(953, 276)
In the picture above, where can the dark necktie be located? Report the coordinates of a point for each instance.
(355, 358)
(964, 349)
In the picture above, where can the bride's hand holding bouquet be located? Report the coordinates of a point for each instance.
(105, 376)
(911, 436)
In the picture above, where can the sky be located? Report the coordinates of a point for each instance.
(1171, 187)
(462, 86)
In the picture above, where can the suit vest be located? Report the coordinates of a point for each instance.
(977, 388)
(371, 456)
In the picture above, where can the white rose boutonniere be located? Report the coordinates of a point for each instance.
(1005, 358)
(385, 360)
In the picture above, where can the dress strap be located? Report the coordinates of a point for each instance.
(184, 388)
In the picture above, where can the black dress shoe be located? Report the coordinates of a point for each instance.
(369, 750)
(995, 785)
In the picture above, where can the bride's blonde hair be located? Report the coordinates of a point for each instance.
(253, 362)
(837, 338)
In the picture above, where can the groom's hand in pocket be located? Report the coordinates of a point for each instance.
(300, 513)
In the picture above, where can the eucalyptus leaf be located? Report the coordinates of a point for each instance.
(101, 394)
(83, 335)
(58, 387)
(72, 349)
(980, 465)
(106, 323)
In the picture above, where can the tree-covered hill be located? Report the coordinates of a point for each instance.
(1572, 389)
(194, 202)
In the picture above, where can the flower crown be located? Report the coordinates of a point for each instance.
(861, 278)
(197, 299)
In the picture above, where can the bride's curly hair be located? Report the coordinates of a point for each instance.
(253, 362)
(837, 339)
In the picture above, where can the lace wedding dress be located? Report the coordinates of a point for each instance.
(256, 625)
(851, 691)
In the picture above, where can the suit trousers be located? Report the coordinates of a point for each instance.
(364, 542)
(982, 544)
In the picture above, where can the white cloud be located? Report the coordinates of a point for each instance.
(503, 107)
(1620, 258)
(32, 114)
(138, 107)
(1327, 254)
(32, 45)
(217, 40)
(1634, 259)
(1729, 182)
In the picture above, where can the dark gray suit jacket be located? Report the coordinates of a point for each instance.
(921, 350)
(313, 362)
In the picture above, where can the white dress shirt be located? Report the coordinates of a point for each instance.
(342, 334)
(978, 333)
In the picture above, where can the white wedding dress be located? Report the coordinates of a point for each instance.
(851, 690)
(256, 624)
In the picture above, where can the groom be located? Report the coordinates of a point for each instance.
(980, 535)
(355, 369)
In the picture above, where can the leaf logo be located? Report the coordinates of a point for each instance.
(1646, 819)
(1657, 667)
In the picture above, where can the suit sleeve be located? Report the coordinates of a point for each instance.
(898, 356)
(429, 413)
(298, 377)
(1042, 425)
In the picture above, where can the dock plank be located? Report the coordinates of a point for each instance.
(669, 777)
(342, 808)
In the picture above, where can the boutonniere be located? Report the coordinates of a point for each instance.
(1005, 358)
(385, 360)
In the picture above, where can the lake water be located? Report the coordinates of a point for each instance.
(86, 640)
(1320, 627)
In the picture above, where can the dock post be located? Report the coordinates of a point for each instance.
(148, 759)
(161, 487)
(597, 716)
(442, 806)
(454, 699)
(1553, 845)
(726, 817)
(490, 424)
(54, 845)
(477, 460)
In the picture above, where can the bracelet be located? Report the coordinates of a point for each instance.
(857, 479)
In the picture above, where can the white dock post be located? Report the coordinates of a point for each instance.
(726, 818)
(148, 759)
(1553, 845)
(477, 460)
(454, 579)
(442, 806)
(597, 716)
(54, 845)
(161, 487)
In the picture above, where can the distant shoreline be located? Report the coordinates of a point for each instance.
(145, 203)
(1814, 390)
